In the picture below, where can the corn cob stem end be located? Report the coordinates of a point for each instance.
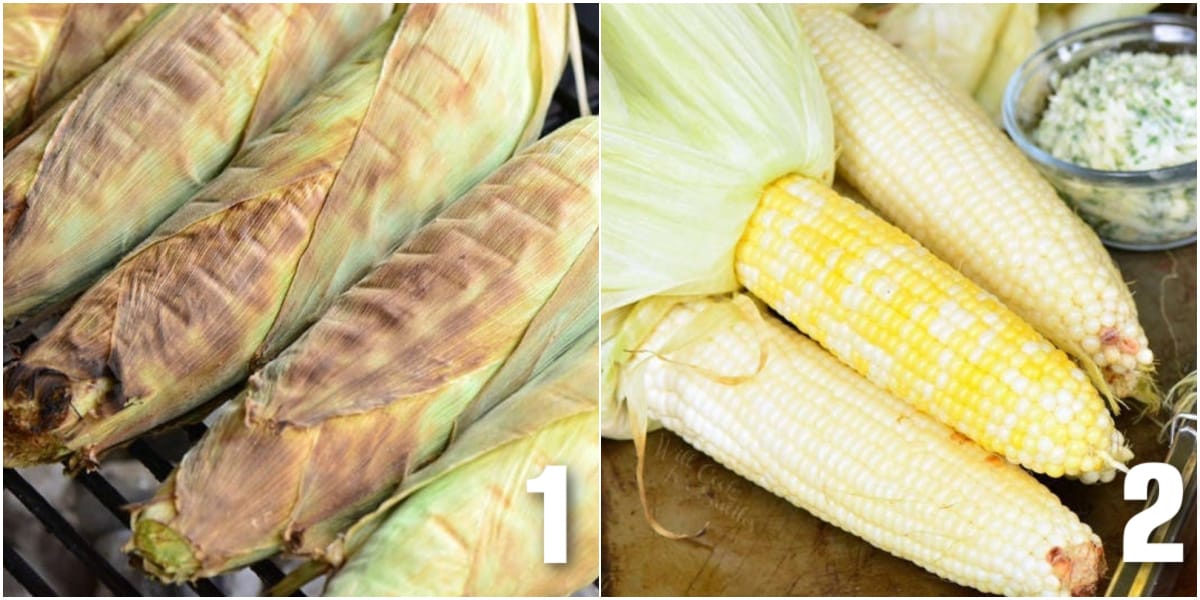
(1078, 567)
(37, 402)
(162, 551)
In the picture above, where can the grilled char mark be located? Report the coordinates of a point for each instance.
(36, 399)
(38, 405)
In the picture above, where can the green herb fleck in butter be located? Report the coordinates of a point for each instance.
(1124, 111)
(1127, 111)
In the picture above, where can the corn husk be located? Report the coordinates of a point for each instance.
(933, 34)
(376, 387)
(565, 323)
(976, 48)
(320, 197)
(147, 131)
(48, 48)
(1056, 19)
(670, 226)
(463, 525)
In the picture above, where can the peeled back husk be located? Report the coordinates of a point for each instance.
(50, 47)
(376, 387)
(463, 525)
(670, 226)
(145, 133)
(301, 214)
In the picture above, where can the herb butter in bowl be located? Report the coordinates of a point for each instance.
(1108, 114)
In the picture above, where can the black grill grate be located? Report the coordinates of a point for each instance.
(564, 107)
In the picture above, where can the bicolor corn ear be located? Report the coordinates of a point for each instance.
(1002, 225)
(913, 325)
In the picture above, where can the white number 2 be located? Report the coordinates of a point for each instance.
(552, 484)
(1138, 548)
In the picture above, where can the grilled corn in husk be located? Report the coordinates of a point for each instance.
(128, 147)
(50, 47)
(376, 387)
(301, 213)
(463, 525)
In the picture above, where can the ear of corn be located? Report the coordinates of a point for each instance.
(916, 327)
(671, 225)
(30, 31)
(142, 136)
(477, 524)
(823, 263)
(50, 47)
(569, 313)
(491, 115)
(773, 406)
(373, 390)
(935, 166)
(298, 216)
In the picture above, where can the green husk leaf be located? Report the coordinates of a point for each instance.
(1017, 40)
(954, 41)
(1057, 19)
(30, 31)
(569, 313)
(48, 48)
(470, 508)
(687, 154)
(689, 151)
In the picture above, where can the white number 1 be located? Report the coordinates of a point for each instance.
(1138, 548)
(552, 484)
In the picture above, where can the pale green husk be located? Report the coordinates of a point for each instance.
(704, 107)
(447, 532)
(710, 104)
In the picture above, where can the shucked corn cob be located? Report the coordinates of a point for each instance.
(814, 257)
(934, 164)
(477, 526)
(143, 134)
(50, 47)
(918, 328)
(374, 389)
(773, 406)
(299, 215)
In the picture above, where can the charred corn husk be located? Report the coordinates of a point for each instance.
(477, 524)
(50, 47)
(935, 166)
(133, 143)
(300, 214)
(863, 289)
(375, 388)
(770, 404)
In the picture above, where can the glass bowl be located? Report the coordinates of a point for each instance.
(1131, 210)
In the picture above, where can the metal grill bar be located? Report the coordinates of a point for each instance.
(159, 467)
(116, 503)
(24, 573)
(61, 529)
(105, 493)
